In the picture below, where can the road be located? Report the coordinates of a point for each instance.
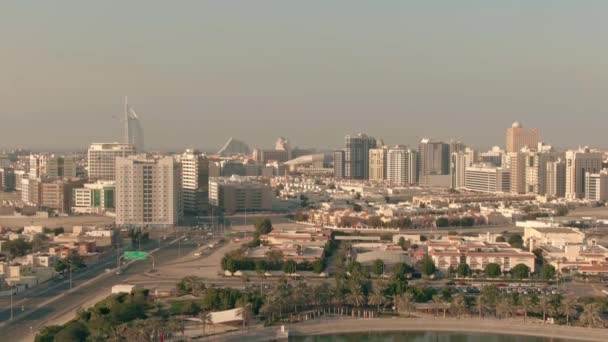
(44, 306)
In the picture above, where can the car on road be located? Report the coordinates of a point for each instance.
(118, 272)
(197, 254)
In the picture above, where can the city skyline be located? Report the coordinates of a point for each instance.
(203, 72)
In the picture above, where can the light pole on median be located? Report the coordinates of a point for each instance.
(70, 264)
(12, 291)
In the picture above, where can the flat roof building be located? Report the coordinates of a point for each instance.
(239, 194)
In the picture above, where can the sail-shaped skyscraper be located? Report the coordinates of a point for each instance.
(133, 132)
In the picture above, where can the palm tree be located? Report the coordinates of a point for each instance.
(356, 297)
(526, 305)
(544, 305)
(246, 314)
(321, 295)
(568, 308)
(269, 309)
(591, 315)
(505, 307)
(205, 321)
(459, 305)
(377, 298)
(405, 303)
(481, 303)
(437, 302)
(175, 325)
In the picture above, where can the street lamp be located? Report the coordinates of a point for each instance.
(12, 288)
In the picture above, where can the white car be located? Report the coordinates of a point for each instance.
(197, 254)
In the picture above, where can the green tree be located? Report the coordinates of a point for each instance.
(428, 266)
(442, 222)
(377, 298)
(520, 271)
(492, 270)
(569, 308)
(561, 210)
(547, 272)
(263, 226)
(405, 303)
(516, 240)
(18, 247)
(374, 221)
(47, 334)
(591, 315)
(463, 270)
(378, 267)
(73, 331)
(39, 242)
(290, 266)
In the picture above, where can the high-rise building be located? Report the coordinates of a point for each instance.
(7, 179)
(30, 191)
(402, 166)
(148, 191)
(556, 178)
(578, 163)
(460, 161)
(596, 186)
(356, 156)
(378, 163)
(456, 146)
(433, 160)
(37, 165)
(339, 160)
(133, 131)
(60, 167)
(101, 159)
(195, 180)
(239, 194)
(536, 168)
(519, 137)
(487, 178)
(19, 176)
(493, 156)
(517, 165)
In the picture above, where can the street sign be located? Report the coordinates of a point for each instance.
(135, 255)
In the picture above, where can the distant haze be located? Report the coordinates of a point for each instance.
(198, 72)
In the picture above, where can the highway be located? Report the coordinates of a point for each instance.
(45, 304)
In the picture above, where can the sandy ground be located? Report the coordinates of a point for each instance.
(600, 212)
(54, 222)
(472, 325)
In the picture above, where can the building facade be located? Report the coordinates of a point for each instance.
(596, 187)
(519, 137)
(487, 178)
(433, 160)
(94, 198)
(195, 180)
(356, 155)
(578, 164)
(517, 166)
(460, 161)
(339, 157)
(239, 194)
(378, 163)
(148, 191)
(556, 178)
(101, 159)
(402, 165)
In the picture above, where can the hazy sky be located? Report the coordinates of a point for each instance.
(198, 72)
